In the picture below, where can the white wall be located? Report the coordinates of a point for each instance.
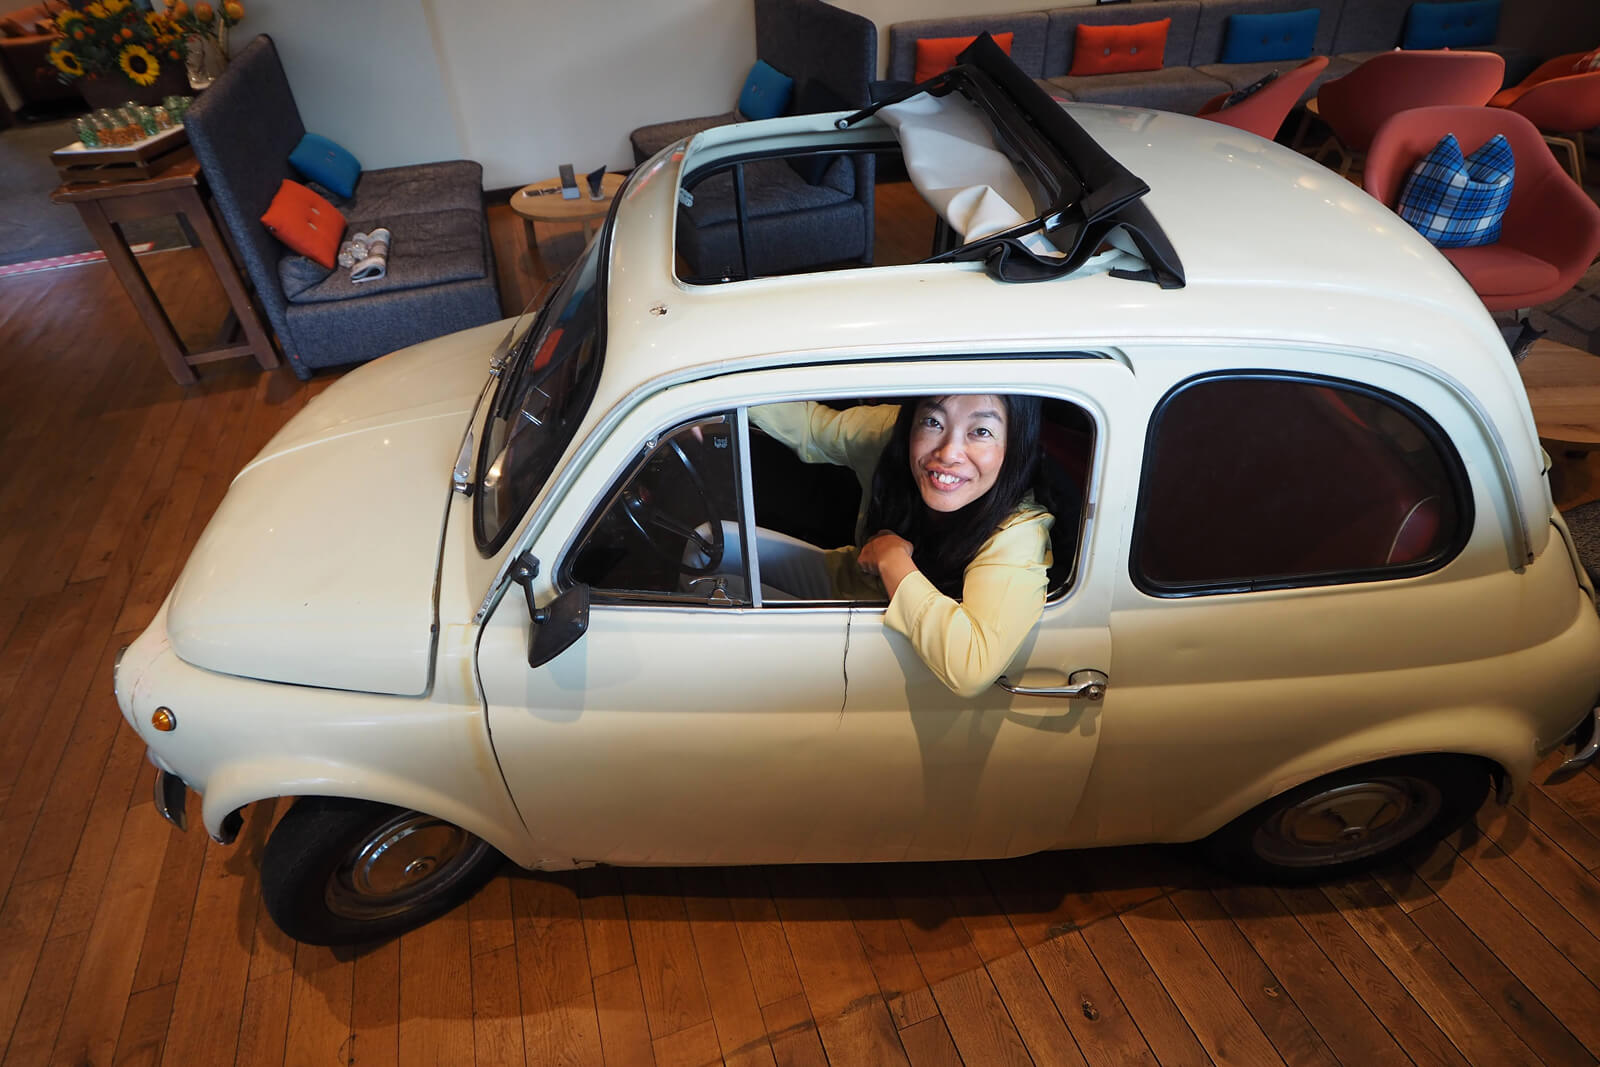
(520, 87)
(886, 12)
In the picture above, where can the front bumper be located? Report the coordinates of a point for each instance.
(1585, 741)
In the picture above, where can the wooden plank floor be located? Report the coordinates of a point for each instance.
(125, 942)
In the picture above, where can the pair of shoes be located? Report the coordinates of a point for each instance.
(361, 246)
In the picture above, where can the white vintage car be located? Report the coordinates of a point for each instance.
(501, 594)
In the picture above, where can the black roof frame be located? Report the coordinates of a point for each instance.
(1090, 193)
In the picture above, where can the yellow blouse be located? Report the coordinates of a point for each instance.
(967, 643)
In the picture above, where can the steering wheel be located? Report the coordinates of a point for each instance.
(647, 518)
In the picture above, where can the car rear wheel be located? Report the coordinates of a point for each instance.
(1351, 819)
(338, 871)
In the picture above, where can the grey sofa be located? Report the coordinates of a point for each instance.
(1348, 31)
(441, 273)
(798, 216)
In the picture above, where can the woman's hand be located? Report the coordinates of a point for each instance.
(887, 555)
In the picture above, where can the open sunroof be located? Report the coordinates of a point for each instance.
(1081, 194)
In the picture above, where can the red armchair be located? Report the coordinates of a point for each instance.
(1561, 103)
(1551, 231)
(1355, 105)
(1263, 111)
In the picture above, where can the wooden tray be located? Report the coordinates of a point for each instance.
(77, 162)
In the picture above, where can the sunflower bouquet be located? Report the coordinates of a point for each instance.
(109, 37)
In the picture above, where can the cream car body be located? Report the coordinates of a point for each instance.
(337, 631)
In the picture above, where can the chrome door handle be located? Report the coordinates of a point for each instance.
(1085, 685)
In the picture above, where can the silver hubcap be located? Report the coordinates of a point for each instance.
(1348, 822)
(405, 862)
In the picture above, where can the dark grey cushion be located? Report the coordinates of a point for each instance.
(453, 185)
(338, 332)
(1168, 89)
(1210, 34)
(780, 243)
(1369, 25)
(1061, 35)
(1239, 75)
(441, 246)
(648, 140)
(1027, 31)
(771, 187)
(1583, 522)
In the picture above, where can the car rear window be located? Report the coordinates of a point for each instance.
(1267, 480)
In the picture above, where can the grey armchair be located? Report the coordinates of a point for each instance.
(441, 275)
(798, 216)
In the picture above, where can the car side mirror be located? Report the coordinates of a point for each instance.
(557, 625)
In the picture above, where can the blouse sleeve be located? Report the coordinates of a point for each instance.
(969, 643)
(853, 437)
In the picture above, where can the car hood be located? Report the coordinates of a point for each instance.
(319, 566)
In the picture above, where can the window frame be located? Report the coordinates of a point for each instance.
(737, 415)
(1444, 447)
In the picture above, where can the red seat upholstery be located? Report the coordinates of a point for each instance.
(1263, 112)
(1559, 102)
(1306, 486)
(1355, 105)
(1551, 231)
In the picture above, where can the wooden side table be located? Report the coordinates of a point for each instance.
(543, 202)
(1563, 385)
(175, 190)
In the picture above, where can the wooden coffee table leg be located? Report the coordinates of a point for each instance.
(138, 289)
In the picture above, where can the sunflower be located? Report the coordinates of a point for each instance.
(115, 7)
(66, 62)
(95, 10)
(139, 65)
(65, 20)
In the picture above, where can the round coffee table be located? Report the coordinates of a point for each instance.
(543, 202)
(1563, 385)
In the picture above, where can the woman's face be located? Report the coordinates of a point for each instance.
(957, 446)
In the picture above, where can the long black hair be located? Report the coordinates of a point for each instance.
(943, 543)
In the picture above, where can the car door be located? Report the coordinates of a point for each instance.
(1001, 774)
(689, 725)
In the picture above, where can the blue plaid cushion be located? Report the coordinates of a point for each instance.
(1456, 202)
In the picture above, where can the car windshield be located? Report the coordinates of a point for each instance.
(546, 390)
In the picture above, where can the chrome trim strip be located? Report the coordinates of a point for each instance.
(171, 797)
(1586, 746)
(747, 507)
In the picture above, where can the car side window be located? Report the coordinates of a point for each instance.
(1266, 480)
(669, 527)
(810, 506)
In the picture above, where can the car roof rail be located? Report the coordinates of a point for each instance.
(1088, 193)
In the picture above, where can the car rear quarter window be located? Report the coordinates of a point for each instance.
(1264, 480)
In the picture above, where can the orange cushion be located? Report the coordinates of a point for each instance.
(935, 55)
(1119, 49)
(305, 222)
(1589, 61)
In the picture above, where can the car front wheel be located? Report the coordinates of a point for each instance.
(337, 871)
(1352, 819)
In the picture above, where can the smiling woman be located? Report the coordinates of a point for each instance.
(960, 542)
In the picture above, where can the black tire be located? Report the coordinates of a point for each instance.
(338, 871)
(1350, 820)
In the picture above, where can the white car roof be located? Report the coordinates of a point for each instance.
(1274, 247)
(1276, 250)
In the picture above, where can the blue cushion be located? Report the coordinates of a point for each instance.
(766, 92)
(1452, 25)
(1455, 202)
(1265, 38)
(327, 163)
